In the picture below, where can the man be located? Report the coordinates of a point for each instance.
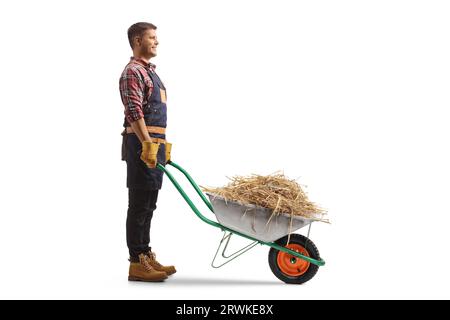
(144, 145)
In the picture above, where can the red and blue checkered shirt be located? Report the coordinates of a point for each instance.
(136, 88)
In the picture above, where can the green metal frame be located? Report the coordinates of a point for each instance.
(226, 239)
(218, 225)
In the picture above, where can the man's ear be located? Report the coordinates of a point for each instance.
(137, 41)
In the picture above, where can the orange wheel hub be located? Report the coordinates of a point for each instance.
(290, 265)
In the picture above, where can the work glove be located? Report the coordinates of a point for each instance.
(168, 149)
(149, 153)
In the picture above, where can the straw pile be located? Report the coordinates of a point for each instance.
(275, 192)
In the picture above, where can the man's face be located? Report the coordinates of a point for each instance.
(149, 43)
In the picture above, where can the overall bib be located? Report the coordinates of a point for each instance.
(139, 176)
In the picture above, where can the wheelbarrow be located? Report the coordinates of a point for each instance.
(293, 258)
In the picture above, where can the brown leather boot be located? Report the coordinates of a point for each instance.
(158, 266)
(143, 271)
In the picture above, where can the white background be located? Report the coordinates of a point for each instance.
(350, 97)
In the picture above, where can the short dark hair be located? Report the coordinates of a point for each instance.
(138, 29)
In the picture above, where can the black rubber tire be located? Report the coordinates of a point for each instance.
(312, 251)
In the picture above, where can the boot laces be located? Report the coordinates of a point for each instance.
(144, 261)
(152, 257)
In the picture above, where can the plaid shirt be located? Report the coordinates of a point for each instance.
(136, 88)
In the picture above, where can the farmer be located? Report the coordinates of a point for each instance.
(144, 97)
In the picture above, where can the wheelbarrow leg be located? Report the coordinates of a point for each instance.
(228, 258)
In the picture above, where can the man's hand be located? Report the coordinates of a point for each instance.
(149, 153)
(168, 149)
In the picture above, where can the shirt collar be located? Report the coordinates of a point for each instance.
(143, 63)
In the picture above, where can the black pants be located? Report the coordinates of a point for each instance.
(141, 204)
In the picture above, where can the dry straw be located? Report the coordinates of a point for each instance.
(275, 192)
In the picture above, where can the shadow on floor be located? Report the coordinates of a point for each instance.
(192, 281)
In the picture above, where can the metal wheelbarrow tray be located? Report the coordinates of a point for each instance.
(255, 221)
(293, 258)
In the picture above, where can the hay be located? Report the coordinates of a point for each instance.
(275, 192)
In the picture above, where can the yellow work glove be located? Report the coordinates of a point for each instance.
(149, 153)
(168, 149)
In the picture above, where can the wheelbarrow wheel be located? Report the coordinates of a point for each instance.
(290, 269)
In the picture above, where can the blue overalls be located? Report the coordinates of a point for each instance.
(139, 176)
